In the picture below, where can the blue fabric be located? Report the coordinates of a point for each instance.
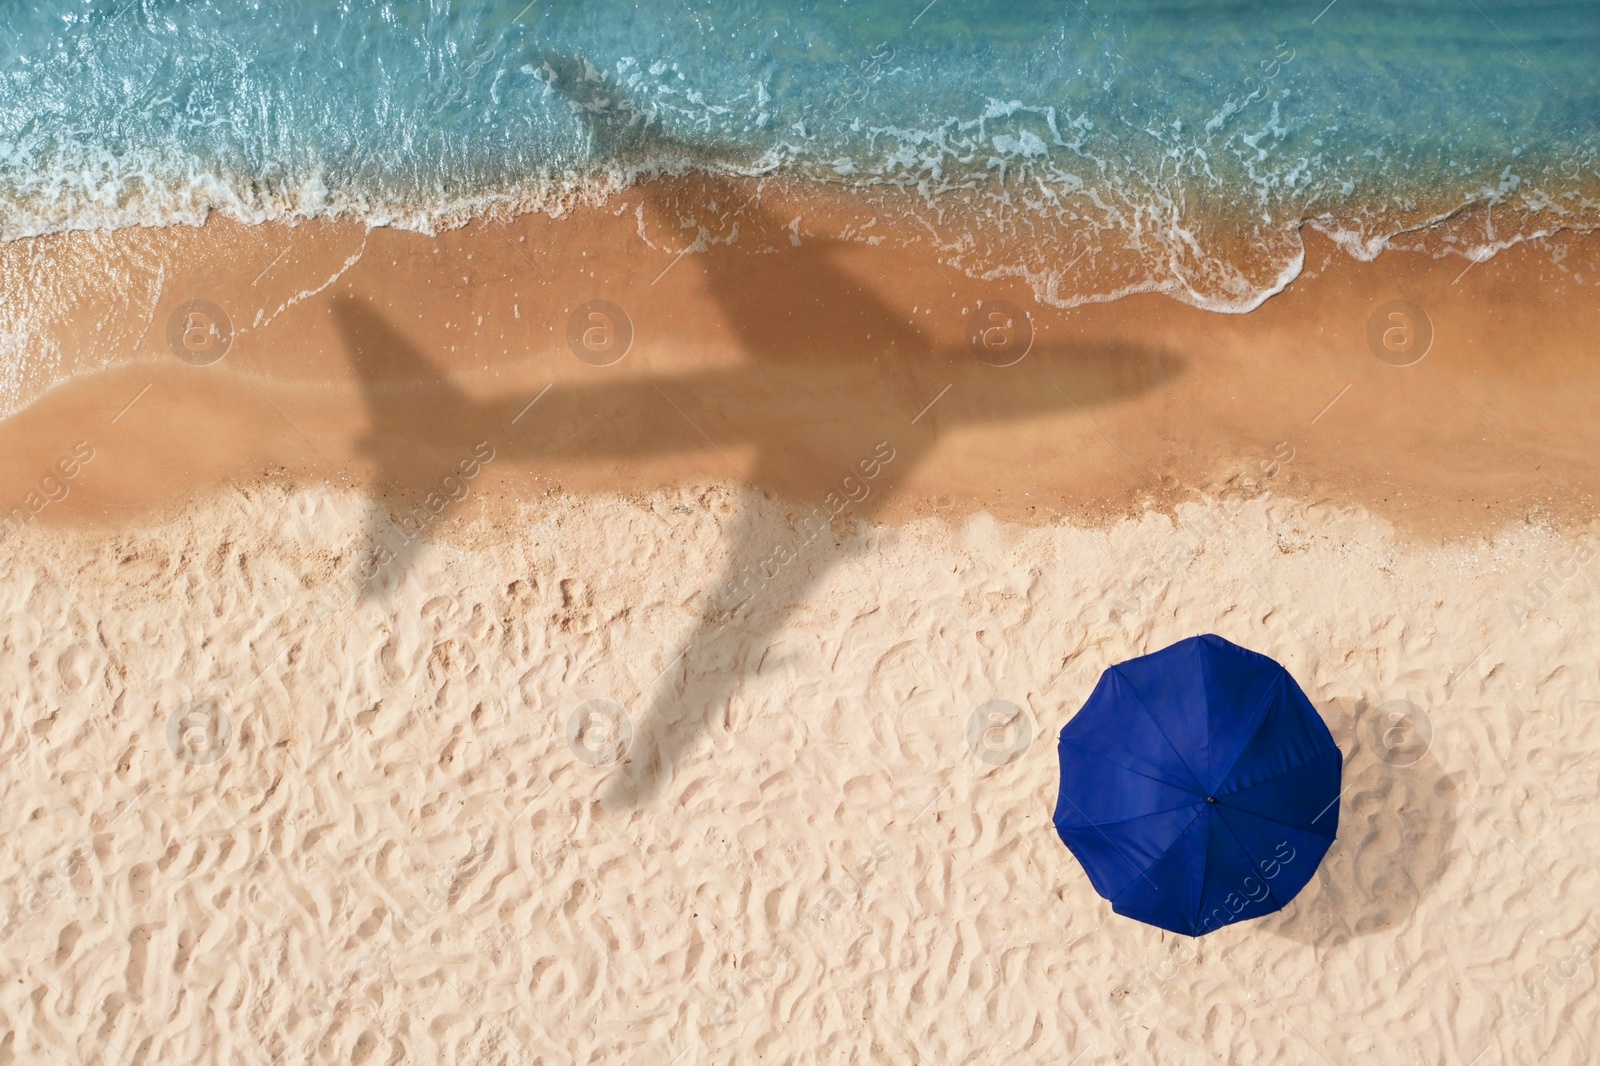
(1199, 787)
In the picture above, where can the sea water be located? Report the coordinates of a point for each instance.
(1091, 148)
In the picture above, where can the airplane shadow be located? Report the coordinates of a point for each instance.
(828, 395)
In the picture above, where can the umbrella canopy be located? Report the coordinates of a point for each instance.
(1199, 787)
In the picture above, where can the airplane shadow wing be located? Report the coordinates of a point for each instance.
(773, 568)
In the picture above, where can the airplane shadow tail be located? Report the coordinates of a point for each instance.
(414, 409)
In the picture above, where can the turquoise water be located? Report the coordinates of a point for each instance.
(1175, 145)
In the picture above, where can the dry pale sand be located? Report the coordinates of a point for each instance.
(294, 646)
(397, 856)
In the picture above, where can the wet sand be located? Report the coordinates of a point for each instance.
(778, 358)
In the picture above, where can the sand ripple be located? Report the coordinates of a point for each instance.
(397, 855)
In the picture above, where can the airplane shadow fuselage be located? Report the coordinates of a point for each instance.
(826, 396)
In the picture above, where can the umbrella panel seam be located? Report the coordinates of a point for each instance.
(1139, 699)
(1124, 854)
(1144, 873)
(1123, 821)
(1200, 897)
(1280, 821)
(1284, 772)
(1258, 716)
(1160, 781)
(1265, 880)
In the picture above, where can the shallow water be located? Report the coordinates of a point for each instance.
(1171, 146)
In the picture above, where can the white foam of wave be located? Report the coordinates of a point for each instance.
(264, 318)
(1016, 191)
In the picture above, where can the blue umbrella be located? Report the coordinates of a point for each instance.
(1199, 787)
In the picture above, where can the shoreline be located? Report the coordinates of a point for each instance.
(771, 347)
(974, 221)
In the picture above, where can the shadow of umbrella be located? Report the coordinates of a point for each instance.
(1397, 827)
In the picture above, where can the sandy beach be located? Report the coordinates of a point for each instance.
(371, 358)
(311, 609)
(393, 852)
